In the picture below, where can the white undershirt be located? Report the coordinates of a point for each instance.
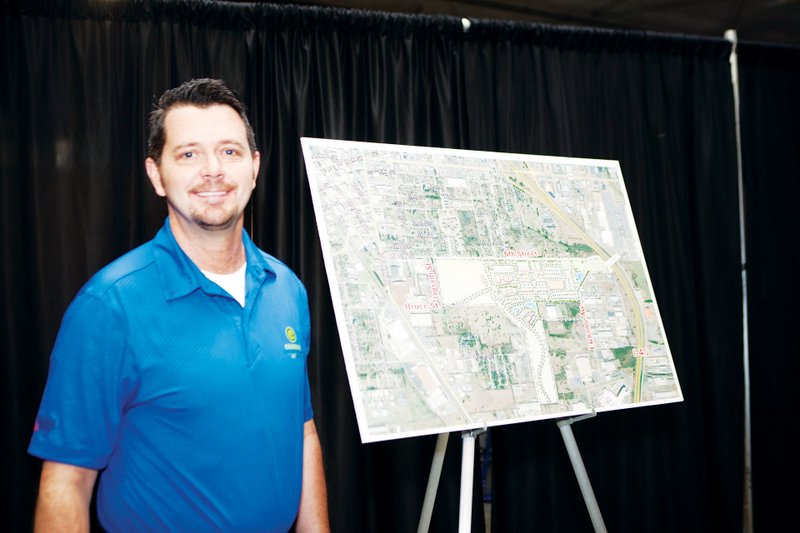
(233, 283)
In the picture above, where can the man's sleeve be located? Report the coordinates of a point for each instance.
(86, 387)
(308, 410)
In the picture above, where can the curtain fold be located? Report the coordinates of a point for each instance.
(80, 78)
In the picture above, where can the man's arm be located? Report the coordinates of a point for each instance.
(313, 514)
(65, 492)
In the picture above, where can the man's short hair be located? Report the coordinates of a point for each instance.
(200, 92)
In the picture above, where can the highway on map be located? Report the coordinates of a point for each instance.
(534, 190)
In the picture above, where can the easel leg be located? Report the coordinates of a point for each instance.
(433, 483)
(580, 472)
(467, 475)
(467, 471)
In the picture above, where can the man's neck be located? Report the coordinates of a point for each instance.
(219, 251)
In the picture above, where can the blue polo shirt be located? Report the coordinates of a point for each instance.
(192, 406)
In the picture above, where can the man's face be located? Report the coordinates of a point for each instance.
(207, 171)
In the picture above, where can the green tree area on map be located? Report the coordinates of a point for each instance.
(556, 247)
(493, 362)
(624, 355)
(639, 279)
(496, 370)
(564, 393)
(566, 313)
(492, 357)
(471, 232)
(431, 193)
(559, 329)
(577, 249)
(573, 308)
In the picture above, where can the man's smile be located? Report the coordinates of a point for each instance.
(212, 194)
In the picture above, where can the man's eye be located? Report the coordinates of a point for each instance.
(188, 155)
(230, 151)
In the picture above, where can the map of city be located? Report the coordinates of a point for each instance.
(473, 289)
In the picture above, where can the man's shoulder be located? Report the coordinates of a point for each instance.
(282, 271)
(276, 264)
(136, 263)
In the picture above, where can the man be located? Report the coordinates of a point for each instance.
(179, 372)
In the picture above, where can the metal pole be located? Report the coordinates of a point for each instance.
(580, 472)
(747, 526)
(467, 474)
(433, 483)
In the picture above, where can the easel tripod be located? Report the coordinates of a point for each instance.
(467, 475)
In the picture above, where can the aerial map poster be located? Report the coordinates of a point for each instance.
(473, 289)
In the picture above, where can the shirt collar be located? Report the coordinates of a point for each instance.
(180, 276)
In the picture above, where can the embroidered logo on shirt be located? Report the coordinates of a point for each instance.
(291, 336)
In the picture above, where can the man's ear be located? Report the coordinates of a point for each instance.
(256, 166)
(155, 176)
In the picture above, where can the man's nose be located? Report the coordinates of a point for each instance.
(212, 167)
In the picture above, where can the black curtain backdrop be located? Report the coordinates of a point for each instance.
(80, 77)
(771, 152)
